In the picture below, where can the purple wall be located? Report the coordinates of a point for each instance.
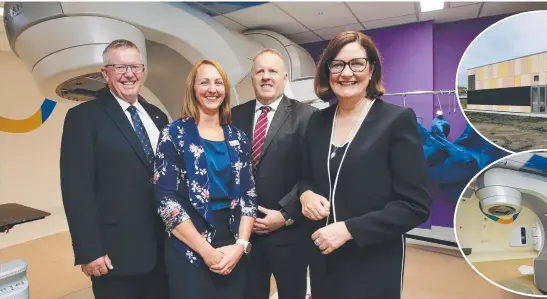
(406, 53)
(450, 40)
(424, 56)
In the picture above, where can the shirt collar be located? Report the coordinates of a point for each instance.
(273, 105)
(126, 105)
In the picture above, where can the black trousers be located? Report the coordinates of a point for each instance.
(351, 272)
(186, 281)
(152, 285)
(288, 264)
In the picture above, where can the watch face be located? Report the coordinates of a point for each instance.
(248, 249)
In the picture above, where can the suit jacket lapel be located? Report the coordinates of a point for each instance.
(115, 112)
(364, 138)
(196, 166)
(248, 127)
(283, 110)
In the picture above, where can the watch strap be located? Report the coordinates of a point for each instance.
(287, 217)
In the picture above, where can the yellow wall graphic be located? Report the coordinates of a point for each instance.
(28, 124)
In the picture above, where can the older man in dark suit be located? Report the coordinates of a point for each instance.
(106, 165)
(276, 125)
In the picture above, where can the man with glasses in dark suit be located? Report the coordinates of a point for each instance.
(107, 154)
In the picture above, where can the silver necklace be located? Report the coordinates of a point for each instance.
(359, 115)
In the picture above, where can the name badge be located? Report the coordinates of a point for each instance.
(234, 142)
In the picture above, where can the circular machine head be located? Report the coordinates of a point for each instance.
(500, 201)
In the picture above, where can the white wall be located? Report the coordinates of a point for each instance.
(29, 162)
(490, 240)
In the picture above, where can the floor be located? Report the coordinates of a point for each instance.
(429, 273)
(506, 273)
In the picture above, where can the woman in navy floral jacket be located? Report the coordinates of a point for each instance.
(204, 191)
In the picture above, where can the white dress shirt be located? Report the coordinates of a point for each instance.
(149, 125)
(270, 114)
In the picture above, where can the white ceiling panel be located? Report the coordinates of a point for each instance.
(496, 8)
(318, 15)
(229, 23)
(369, 11)
(457, 4)
(390, 22)
(304, 37)
(267, 16)
(452, 14)
(330, 33)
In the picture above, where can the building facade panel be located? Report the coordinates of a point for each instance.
(508, 81)
(542, 61)
(543, 78)
(518, 67)
(526, 80)
(511, 68)
(503, 70)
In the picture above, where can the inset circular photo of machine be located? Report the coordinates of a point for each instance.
(500, 223)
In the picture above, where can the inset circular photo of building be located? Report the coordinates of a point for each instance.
(500, 223)
(502, 82)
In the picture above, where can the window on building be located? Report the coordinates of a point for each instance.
(536, 78)
(471, 82)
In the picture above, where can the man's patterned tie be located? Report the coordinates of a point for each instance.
(259, 134)
(141, 133)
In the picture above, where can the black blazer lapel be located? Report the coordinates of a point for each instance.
(115, 112)
(366, 135)
(283, 110)
(249, 113)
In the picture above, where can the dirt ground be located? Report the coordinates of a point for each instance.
(515, 133)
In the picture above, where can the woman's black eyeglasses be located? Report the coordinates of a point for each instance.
(357, 65)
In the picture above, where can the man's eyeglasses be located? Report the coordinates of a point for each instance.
(356, 65)
(122, 68)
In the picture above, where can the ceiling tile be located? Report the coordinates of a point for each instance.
(318, 15)
(229, 23)
(267, 16)
(369, 11)
(226, 7)
(458, 4)
(496, 8)
(390, 22)
(330, 33)
(452, 14)
(304, 37)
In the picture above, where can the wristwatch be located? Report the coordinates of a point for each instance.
(288, 220)
(246, 245)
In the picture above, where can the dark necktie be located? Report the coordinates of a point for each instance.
(259, 134)
(141, 133)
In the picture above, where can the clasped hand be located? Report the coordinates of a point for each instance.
(314, 206)
(331, 237)
(271, 222)
(223, 260)
(98, 267)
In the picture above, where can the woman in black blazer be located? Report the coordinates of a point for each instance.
(364, 178)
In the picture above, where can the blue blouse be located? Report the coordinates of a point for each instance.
(218, 166)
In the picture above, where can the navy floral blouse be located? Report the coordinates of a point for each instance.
(182, 184)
